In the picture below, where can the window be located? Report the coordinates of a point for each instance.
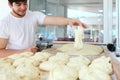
(91, 13)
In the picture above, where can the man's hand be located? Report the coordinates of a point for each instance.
(32, 49)
(75, 22)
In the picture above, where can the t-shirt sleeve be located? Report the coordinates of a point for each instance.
(40, 17)
(3, 30)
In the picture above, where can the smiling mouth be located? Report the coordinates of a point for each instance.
(23, 11)
(20, 15)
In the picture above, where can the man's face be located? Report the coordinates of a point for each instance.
(19, 8)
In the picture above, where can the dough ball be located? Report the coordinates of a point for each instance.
(8, 76)
(60, 58)
(103, 64)
(47, 65)
(41, 56)
(20, 55)
(63, 73)
(78, 62)
(6, 67)
(27, 72)
(24, 60)
(6, 61)
(88, 74)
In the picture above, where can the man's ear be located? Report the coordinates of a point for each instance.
(10, 4)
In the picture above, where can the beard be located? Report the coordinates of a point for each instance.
(17, 13)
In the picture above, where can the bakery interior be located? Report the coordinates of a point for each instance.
(102, 18)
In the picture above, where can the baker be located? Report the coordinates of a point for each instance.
(17, 28)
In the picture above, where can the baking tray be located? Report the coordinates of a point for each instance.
(115, 63)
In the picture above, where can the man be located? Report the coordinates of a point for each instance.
(17, 29)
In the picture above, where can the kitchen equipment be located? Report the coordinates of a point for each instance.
(43, 45)
(117, 54)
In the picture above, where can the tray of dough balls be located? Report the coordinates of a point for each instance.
(57, 66)
(89, 63)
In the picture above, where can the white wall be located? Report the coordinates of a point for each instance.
(4, 8)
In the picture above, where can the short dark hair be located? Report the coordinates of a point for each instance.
(11, 1)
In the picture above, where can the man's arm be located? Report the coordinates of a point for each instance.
(6, 52)
(62, 21)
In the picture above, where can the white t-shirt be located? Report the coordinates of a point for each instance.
(20, 32)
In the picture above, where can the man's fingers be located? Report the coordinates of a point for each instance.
(34, 49)
(83, 25)
(71, 24)
(77, 23)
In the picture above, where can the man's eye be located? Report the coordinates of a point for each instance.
(25, 3)
(18, 4)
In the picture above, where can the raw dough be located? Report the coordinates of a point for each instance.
(60, 58)
(41, 56)
(47, 65)
(6, 60)
(8, 76)
(78, 62)
(63, 72)
(88, 74)
(103, 64)
(78, 44)
(86, 50)
(20, 55)
(25, 60)
(6, 67)
(27, 72)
